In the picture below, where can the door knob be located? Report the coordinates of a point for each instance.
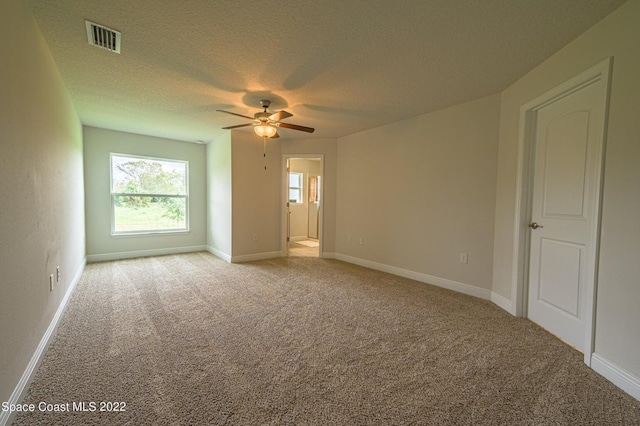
(534, 225)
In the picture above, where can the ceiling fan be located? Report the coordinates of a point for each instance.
(266, 123)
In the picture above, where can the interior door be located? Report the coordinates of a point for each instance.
(567, 142)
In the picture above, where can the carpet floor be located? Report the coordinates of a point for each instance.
(189, 339)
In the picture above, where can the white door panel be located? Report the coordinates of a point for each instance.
(560, 276)
(566, 163)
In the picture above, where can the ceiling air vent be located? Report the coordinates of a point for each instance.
(104, 37)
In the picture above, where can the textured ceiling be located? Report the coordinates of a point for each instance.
(339, 66)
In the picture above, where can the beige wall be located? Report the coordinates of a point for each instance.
(617, 337)
(256, 195)
(99, 143)
(219, 196)
(42, 214)
(421, 191)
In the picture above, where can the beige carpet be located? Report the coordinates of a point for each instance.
(190, 339)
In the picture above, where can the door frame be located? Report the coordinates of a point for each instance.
(284, 199)
(524, 195)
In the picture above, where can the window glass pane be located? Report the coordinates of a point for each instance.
(137, 213)
(294, 195)
(294, 179)
(148, 176)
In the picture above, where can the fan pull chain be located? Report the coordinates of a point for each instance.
(264, 151)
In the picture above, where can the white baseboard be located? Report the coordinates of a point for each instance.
(255, 256)
(328, 255)
(25, 380)
(418, 276)
(143, 253)
(298, 238)
(616, 375)
(224, 256)
(501, 301)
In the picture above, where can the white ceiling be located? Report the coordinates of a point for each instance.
(339, 66)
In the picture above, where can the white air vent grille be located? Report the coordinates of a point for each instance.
(104, 37)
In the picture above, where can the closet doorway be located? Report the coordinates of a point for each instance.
(302, 217)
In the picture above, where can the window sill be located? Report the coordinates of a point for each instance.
(150, 233)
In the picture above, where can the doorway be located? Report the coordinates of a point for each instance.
(558, 211)
(303, 189)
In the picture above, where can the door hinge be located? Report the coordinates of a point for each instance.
(288, 239)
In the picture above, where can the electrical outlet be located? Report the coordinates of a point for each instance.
(361, 241)
(349, 239)
(255, 237)
(464, 258)
(58, 274)
(51, 282)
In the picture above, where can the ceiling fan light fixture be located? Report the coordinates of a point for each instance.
(265, 130)
(266, 123)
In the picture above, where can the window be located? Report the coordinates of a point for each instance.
(148, 195)
(314, 189)
(295, 187)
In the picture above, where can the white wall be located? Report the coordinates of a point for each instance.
(101, 245)
(421, 191)
(42, 214)
(617, 336)
(219, 196)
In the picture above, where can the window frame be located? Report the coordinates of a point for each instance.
(299, 188)
(112, 194)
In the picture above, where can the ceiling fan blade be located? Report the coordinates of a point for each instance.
(239, 125)
(233, 113)
(296, 127)
(275, 136)
(280, 115)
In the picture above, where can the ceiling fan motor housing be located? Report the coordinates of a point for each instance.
(262, 116)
